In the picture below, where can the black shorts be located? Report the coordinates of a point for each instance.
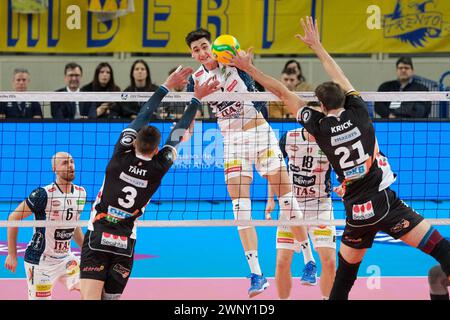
(109, 263)
(383, 211)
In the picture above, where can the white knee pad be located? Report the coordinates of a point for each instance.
(110, 296)
(242, 209)
(289, 208)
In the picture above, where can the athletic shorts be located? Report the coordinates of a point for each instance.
(321, 236)
(42, 277)
(108, 258)
(257, 146)
(383, 211)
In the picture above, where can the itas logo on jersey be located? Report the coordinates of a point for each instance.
(113, 240)
(363, 211)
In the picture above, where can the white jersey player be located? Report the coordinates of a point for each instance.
(48, 257)
(309, 171)
(248, 141)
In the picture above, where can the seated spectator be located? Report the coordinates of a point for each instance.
(20, 109)
(405, 82)
(302, 85)
(140, 81)
(73, 74)
(103, 81)
(277, 109)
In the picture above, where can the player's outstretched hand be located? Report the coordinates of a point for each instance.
(206, 88)
(11, 263)
(242, 60)
(178, 77)
(311, 37)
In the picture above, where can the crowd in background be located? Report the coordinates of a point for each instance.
(140, 81)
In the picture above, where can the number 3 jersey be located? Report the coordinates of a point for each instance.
(350, 144)
(130, 181)
(51, 204)
(309, 168)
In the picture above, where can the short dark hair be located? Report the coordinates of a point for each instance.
(148, 139)
(72, 65)
(289, 71)
(196, 35)
(405, 60)
(331, 95)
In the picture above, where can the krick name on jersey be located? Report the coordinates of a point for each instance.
(341, 127)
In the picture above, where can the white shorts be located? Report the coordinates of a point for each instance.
(257, 146)
(321, 236)
(42, 277)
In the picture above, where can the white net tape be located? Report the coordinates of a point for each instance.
(197, 223)
(6, 96)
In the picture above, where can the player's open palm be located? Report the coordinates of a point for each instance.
(206, 88)
(242, 60)
(11, 263)
(178, 78)
(311, 37)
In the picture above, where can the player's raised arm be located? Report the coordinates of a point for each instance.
(312, 40)
(243, 60)
(200, 91)
(177, 78)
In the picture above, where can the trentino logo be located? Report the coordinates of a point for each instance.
(414, 21)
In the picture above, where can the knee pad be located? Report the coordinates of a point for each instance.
(441, 252)
(289, 208)
(110, 296)
(438, 281)
(430, 240)
(242, 209)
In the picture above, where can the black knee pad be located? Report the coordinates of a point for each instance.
(441, 253)
(346, 275)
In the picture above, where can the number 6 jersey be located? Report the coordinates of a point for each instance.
(130, 181)
(51, 204)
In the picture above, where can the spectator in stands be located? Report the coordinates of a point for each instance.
(277, 109)
(103, 81)
(405, 82)
(20, 109)
(302, 85)
(140, 81)
(73, 74)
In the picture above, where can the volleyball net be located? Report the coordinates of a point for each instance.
(194, 192)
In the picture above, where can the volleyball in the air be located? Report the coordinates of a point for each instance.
(224, 43)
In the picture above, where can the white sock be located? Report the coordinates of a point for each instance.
(288, 298)
(325, 298)
(306, 250)
(253, 262)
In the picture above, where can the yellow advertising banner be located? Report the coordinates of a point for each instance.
(160, 26)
